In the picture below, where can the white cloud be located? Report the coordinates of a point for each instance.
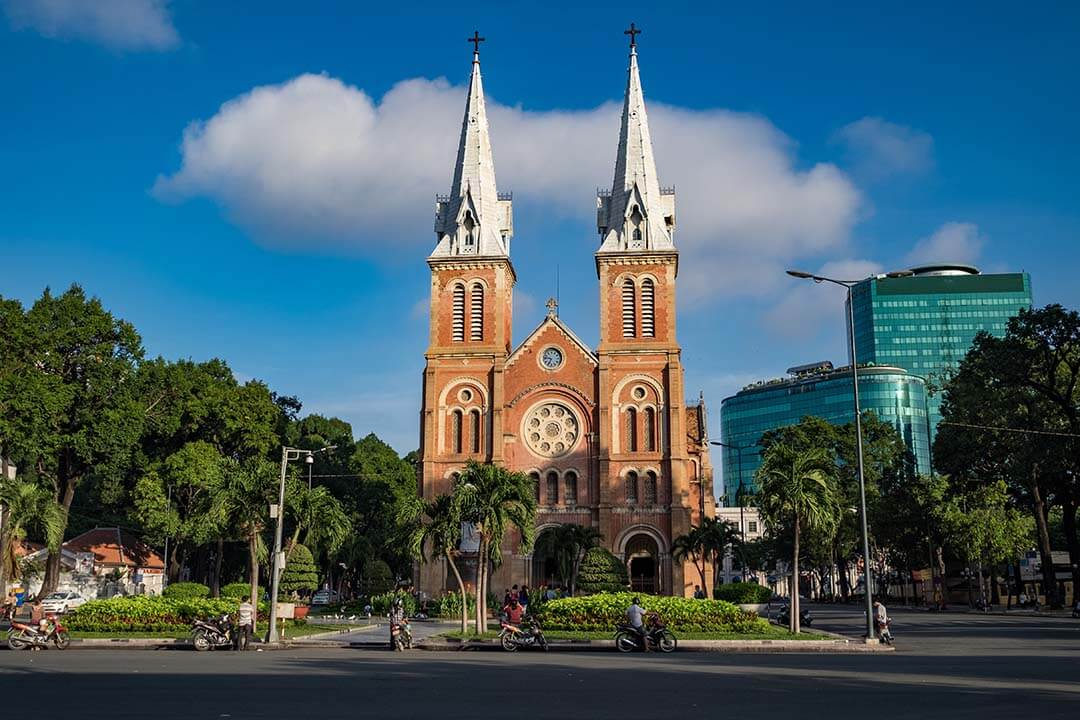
(809, 307)
(877, 149)
(952, 242)
(316, 161)
(117, 24)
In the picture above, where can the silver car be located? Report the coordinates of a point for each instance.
(61, 602)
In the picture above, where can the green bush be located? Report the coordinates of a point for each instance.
(380, 604)
(186, 591)
(378, 578)
(601, 571)
(449, 605)
(300, 574)
(605, 611)
(145, 614)
(241, 591)
(743, 593)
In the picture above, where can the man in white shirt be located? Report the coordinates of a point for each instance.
(635, 615)
(244, 625)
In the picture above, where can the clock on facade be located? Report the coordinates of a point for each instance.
(551, 358)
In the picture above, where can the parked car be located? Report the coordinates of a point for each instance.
(324, 597)
(61, 602)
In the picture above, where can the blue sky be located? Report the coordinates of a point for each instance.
(254, 181)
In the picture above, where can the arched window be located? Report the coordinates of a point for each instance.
(636, 220)
(629, 315)
(650, 488)
(631, 487)
(474, 422)
(535, 477)
(470, 226)
(648, 302)
(456, 430)
(570, 494)
(459, 314)
(631, 430)
(649, 430)
(553, 488)
(476, 313)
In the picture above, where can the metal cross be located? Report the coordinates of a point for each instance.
(552, 306)
(476, 40)
(632, 32)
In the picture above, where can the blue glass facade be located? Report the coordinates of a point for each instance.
(926, 323)
(894, 395)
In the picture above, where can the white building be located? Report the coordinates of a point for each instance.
(748, 521)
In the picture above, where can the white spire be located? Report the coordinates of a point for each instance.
(473, 219)
(638, 214)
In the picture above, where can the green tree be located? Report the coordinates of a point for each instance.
(797, 493)
(26, 508)
(68, 407)
(435, 529)
(718, 537)
(300, 574)
(602, 572)
(567, 544)
(244, 496)
(691, 546)
(318, 515)
(494, 500)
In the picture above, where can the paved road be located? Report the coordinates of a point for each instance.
(951, 666)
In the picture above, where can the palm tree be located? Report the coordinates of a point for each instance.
(243, 496)
(718, 537)
(437, 525)
(494, 500)
(797, 491)
(691, 546)
(319, 515)
(29, 508)
(567, 543)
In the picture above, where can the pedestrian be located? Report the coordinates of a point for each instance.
(881, 622)
(506, 597)
(699, 594)
(244, 625)
(523, 596)
(550, 594)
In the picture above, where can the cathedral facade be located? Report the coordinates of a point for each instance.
(605, 432)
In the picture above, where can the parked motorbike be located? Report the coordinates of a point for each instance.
(210, 634)
(783, 617)
(400, 635)
(883, 630)
(22, 635)
(658, 637)
(527, 633)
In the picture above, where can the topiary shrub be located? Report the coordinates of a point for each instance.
(240, 591)
(604, 611)
(743, 593)
(378, 578)
(449, 605)
(381, 604)
(300, 574)
(186, 591)
(601, 571)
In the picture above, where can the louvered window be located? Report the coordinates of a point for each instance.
(474, 419)
(571, 488)
(552, 488)
(648, 301)
(650, 430)
(459, 314)
(476, 313)
(535, 477)
(650, 488)
(631, 430)
(629, 315)
(455, 431)
(631, 487)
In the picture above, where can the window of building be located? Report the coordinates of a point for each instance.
(571, 488)
(631, 430)
(650, 488)
(752, 526)
(552, 488)
(459, 314)
(629, 314)
(650, 430)
(456, 430)
(470, 226)
(476, 313)
(474, 418)
(648, 299)
(535, 477)
(631, 487)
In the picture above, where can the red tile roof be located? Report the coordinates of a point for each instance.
(116, 547)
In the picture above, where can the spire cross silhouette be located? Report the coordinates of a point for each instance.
(476, 40)
(632, 32)
(552, 306)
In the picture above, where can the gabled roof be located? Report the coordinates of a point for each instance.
(113, 546)
(552, 320)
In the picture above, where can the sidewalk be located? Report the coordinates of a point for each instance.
(716, 646)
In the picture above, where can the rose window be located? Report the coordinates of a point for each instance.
(551, 430)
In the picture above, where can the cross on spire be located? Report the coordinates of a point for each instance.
(553, 307)
(632, 32)
(476, 40)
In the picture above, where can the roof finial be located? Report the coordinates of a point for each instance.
(476, 40)
(632, 32)
(553, 307)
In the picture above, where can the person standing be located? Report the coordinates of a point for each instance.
(699, 594)
(245, 623)
(523, 597)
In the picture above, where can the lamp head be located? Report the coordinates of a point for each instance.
(309, 459)
(800, 274)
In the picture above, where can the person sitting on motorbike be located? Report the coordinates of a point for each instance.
(397, 612)
(881, 622)
(514, 611)
(635, 615)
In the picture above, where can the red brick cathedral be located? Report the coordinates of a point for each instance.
(604, 432)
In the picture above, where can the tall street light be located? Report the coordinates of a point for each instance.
(847, 285)
(287, 454)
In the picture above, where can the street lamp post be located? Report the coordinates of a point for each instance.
(287, 454)
(847, 285)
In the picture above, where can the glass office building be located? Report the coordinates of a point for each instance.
(925, 323)
(896, 396)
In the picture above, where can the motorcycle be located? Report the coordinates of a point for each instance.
(658, 637)
(22, 636)
(210, 634)
(783, 617)
(528, 633)
(400, 635)
(883, 630)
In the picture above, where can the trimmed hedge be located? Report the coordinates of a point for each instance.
(743, 593)
(601, 571)
(605, 611)
(186, 591)
(145, 614)
(300, 574)
(241, 591)
(449, 605)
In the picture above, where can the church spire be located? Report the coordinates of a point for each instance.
(474, 219)
(637, 214)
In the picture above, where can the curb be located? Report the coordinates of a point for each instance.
(717, 646)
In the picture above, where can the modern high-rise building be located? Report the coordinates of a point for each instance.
(925, 323)
(894, 395)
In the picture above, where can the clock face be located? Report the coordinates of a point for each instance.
(552, 358)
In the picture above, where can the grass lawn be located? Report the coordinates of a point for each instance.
(773, 633)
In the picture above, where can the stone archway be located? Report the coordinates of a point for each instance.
(544, 569)
(642, 557)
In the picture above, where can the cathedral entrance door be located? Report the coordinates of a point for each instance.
(642, 564)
